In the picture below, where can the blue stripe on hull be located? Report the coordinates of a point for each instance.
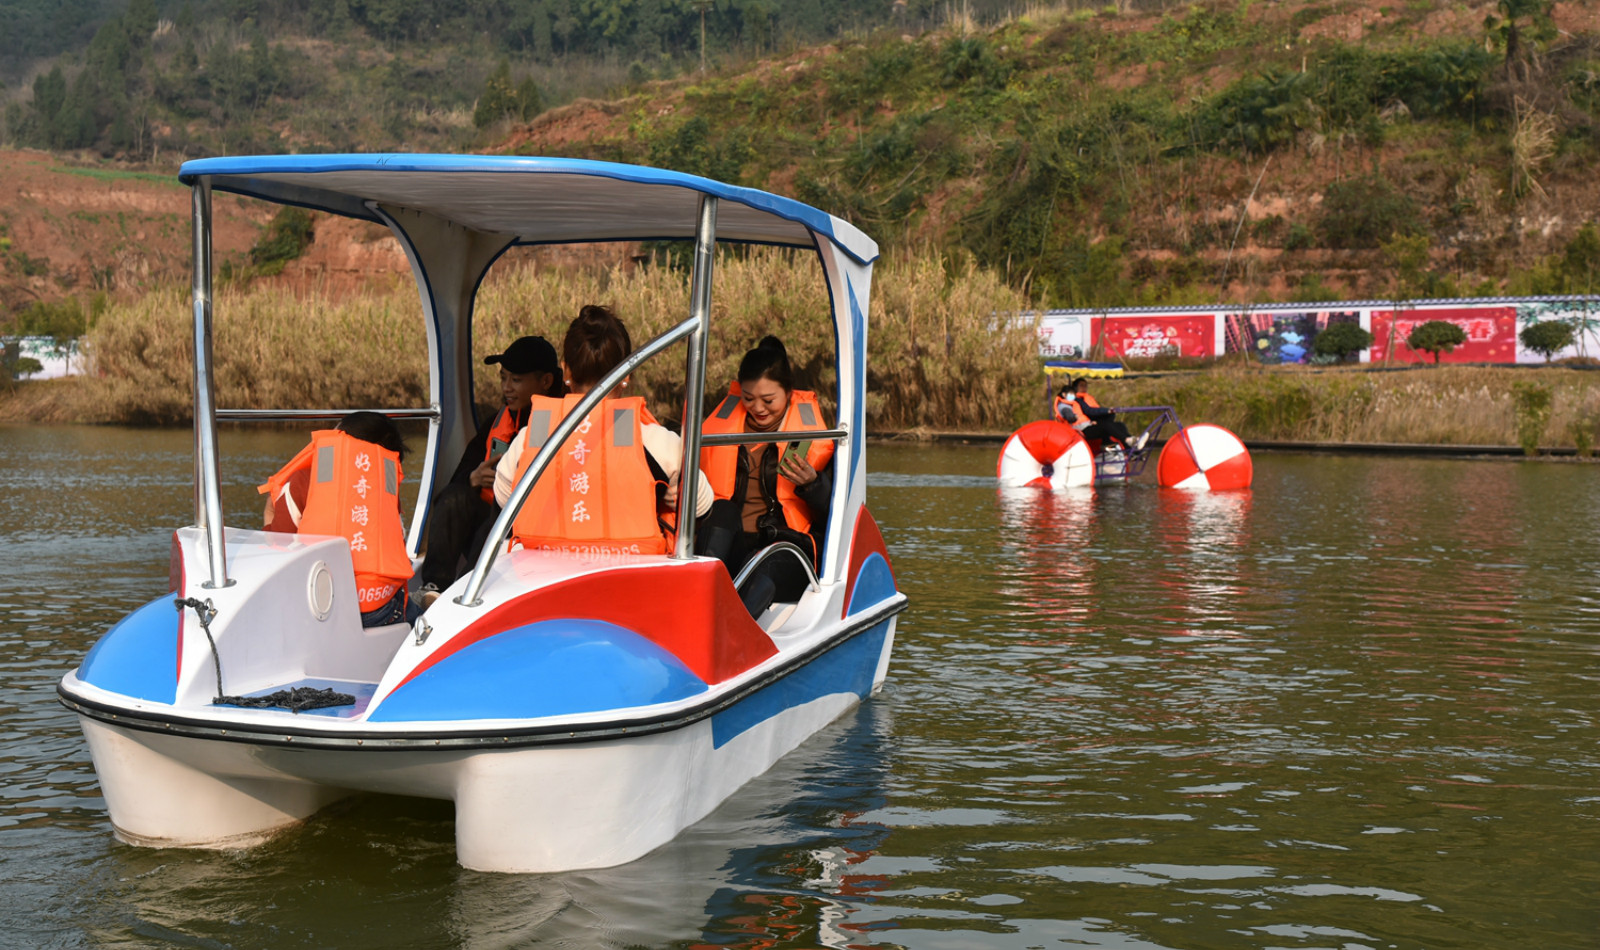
(874, 584)
(139, 656)
(550, 668)
(847, 668)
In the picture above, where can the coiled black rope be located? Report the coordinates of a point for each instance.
(295, 699)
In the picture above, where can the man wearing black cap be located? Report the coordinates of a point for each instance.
(464, 508)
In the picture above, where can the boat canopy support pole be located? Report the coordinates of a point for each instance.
(472, 596)
(449, 262)
(849, 289)
(208, 477)
(694, 392)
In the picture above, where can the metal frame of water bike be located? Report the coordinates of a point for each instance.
(1124, 467)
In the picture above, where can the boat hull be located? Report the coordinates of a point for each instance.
(530, 807)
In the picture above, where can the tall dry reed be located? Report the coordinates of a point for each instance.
(935, 356)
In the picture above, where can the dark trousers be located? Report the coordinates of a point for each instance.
(720, 534)
(398, 609)
(1106, 429)
(457, 527)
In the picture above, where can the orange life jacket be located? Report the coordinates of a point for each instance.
(500, 436)
(1067, 411)
(354, 493)
(598, 496)
(721, 462)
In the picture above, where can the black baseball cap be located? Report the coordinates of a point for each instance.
(528, 354)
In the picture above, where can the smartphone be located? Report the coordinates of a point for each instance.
(797, 450)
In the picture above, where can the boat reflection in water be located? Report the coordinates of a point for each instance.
(1204, 536)
(1047, 539)
(771, 867)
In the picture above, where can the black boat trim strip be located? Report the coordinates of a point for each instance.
(424, 740)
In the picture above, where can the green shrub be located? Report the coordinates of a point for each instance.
(1531, 402)
(501, 100)
(1436, 336)
(288, 235)
(1547, 337)
(1341, 340)
(1364, 212)
(1582, 431)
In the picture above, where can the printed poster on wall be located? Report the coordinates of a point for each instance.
(1491, 334)
(1144, 336)
(1582, 315)
(1282, 336)
(1063, 335)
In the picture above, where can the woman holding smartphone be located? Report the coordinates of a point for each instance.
(771, 491)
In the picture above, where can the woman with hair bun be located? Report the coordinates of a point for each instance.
(771, 491)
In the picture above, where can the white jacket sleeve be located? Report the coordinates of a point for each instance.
(505, 471)
(666, 448)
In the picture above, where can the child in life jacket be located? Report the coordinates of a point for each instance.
(771, 491)
(346, 483)
(612, 489)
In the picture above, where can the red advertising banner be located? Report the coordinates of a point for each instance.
(1491, 334)
(1141, 336)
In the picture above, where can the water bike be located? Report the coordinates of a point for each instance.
(1052, 454)
(579, 710)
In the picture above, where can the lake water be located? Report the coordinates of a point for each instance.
(1354, 707)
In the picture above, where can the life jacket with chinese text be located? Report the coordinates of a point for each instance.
(598, 495)
(500, 437)
(721, 462)
(354, 493)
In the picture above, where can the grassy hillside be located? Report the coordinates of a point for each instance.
(139, 79)
(1137, 153)
(1237, 150)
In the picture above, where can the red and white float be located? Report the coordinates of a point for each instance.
(1204, 457)
(1046, 454)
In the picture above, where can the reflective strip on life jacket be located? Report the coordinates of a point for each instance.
(721, 462)
(354, 493)
(598, 495)
(500, 437)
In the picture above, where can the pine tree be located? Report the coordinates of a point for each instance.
(497, 99)
(140, 21)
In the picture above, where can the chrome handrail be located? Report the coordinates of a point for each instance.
(472, 595)
(777, 547)
(694, 392)
(208, 476)
(786, 435)
(268, 415)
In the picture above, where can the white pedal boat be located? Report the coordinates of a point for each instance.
(578, 712)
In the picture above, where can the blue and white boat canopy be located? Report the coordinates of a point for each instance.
(454, 215)
(536, 200)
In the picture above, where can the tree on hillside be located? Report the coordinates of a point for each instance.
(500, 100)
(1436, 336)
(1547, 337)
(1580, 261)
(141, 20)
(1364, 212)
(1520, 27)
